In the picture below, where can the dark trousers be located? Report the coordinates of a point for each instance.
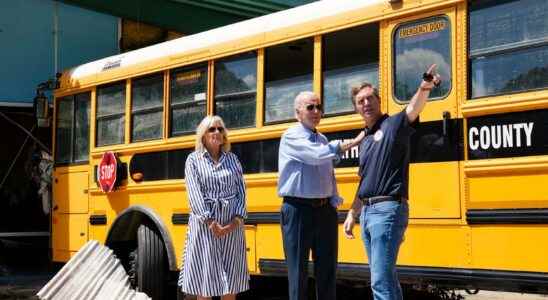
(306, 228)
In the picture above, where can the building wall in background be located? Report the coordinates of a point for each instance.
(30, 33)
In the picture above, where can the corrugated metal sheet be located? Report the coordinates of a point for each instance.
(93, 273)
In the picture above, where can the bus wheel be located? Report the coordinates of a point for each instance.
(147, 262)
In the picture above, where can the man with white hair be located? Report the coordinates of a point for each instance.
(310, 199)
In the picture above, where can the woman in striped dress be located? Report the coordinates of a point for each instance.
(214, 259)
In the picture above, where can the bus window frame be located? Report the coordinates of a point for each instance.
(144, 111)
(420, 19)
(123, 82)
(367, 65)
(169, 95)
(495, 51)
(349, 112)
(72, 97)
(234, 57)
(264, 106)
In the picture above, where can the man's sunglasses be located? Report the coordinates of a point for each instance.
(311, 107)
(213, 129)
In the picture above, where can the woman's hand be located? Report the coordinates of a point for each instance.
(220, 231)
(216, 228)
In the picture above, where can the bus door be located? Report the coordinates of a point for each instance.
(416, 43)
(70, 203)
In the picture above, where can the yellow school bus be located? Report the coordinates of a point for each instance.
(479, 161)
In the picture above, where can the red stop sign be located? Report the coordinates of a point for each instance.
(106, 172)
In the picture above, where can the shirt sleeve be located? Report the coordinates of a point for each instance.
(404, 127)
(241, 209)
(194, 190)
(298, 148)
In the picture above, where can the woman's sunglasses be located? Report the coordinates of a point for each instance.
(213, 129)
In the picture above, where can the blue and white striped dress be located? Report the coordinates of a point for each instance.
(214, 266)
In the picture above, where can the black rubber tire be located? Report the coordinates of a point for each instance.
(150, 263)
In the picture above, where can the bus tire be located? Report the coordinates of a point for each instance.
(149, 263)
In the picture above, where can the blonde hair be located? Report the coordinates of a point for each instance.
(202, 129)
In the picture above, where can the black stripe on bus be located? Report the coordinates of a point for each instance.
(97, 219)
(179, 219)
(437, 141)
(449, 277)
(255, 218)
(507, 216)
(478, 216)
(252, 218)
(429, 144)
(160, 165)
(508, 135)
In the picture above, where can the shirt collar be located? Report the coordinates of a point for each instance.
(306, 129)
(376, 126)
(206, 154)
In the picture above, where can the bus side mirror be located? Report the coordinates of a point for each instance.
(41, 110)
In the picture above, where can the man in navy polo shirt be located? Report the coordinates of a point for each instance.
(384, 175)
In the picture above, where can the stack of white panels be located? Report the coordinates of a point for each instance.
(93, 273)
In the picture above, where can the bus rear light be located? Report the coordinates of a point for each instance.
(137, 176)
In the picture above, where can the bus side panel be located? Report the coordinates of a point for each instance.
(70, 233)
(250, 232)
(70, 212)
(435, 246)
(510, 247)
(269, 242)
(509, 189)
(71, 192)
(427, 198)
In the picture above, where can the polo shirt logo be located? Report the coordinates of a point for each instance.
(378, 135)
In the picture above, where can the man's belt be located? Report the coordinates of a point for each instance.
(376, 199)
(312, 202)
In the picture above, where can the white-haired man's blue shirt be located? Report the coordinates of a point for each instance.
(305, 164)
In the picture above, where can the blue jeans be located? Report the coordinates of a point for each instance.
(383, 225)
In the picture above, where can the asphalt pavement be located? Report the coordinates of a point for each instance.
(25, 268)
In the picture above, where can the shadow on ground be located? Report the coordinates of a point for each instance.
(24, 267)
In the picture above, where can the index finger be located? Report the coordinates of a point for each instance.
(431, 69)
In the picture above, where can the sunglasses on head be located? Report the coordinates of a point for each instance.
(213, 129)
(311, 107)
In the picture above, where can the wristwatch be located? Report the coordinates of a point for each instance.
(428, 78)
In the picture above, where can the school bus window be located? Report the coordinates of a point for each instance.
(288, 71)
(416, 46)
(72, 129)
(350, 57)
(111, 101)
(508, 46)
(147, 96)
(188, 94)
(236, 89)
(81, 127)
(63, 134)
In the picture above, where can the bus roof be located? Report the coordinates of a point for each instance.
(242, 36)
